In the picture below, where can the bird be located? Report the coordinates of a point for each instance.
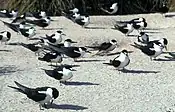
(121, 61)
(6, 14)
(43, 22)
(72, 14)
(139, 25)
(143, 38)
(67, 43)
(62, 75)
(52, 57)
(126, 28)
(83, 21)
(163, 41)
(37, 15)
(33, 47)
(43, 95)
(20, 19)
(104, 47)
(55, 38)
(111, 10)
(28, 32)
(5, 36)
(72, 52)
(152, 50)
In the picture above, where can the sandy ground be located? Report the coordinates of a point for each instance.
(148, 86)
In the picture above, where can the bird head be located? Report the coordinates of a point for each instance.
(125, 52)
(60, 32)
(75, 10)
(55, 93)
(113, 42)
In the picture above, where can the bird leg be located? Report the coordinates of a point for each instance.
(40, 106)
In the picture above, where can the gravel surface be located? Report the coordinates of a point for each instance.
(148, 86)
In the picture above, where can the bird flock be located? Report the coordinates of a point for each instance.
(52, 49)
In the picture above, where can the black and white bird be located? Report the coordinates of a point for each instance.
(83, 21)
(52, 57)
(19, 19)
(5, 36)
(125, 28)
(62, 75)
(55, 38)
(28, 32)
(104, 47)
(43, 22)
(43, 95)
(143, 38)
(7, 14)
(72, 14)
(36, 48)
(121, 61)
(139, 25)
(111, 10)
(152, 50)
(37, 15)
(163, 41)
(72, 52)
(135, 20)
(67, 43)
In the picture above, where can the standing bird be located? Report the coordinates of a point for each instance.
(163, 41)
(152, 50)
(55, 38)
(139, 26)
(5, 36)
(37, 15)
(72, 52)
(126, 29)
(67, 43)
(43, 95)
(112, 10)
(121, 61)
(83, 21)
(54, 57)
(143, 38)
(44, 22)
(62, 75)
(105, 47)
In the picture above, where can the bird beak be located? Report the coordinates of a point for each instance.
(166, 48)
(88, 52)
(73, 70)
(63, 34)
(73, 42)
(51, 20)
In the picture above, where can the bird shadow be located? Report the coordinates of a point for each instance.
(152, 28)
(95, 28)
(79, 83)
(52, 29)
(167, 59)
(110, 54)
(89, 60)
(66, 107)
(65, 65)
(13, 44)
(5, 51)
(6, 70)
(138, 71)
(36, 38)
(151, 32)
(132, 35)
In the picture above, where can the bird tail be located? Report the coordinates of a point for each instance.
(23, 44)
(21, 88)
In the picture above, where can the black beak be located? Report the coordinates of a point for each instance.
(73, 42)
(166, 48)
(88, 52)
